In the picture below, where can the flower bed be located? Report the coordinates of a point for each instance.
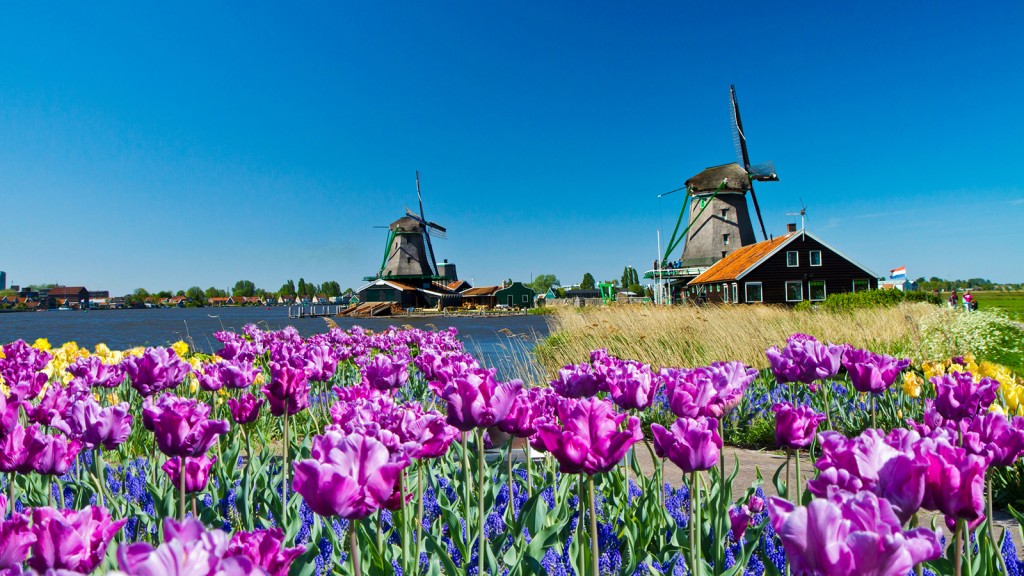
(358, 453)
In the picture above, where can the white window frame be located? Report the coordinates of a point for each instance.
(810, 257)
(760, 291)
(725, 292)
(526, 298)
(824, 291)
(799, 283)
(735, 293)
(853, 285)
(796, 259)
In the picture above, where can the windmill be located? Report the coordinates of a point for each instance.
(409, 253)
(719, 221)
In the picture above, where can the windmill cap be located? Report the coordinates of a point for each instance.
(711, 178)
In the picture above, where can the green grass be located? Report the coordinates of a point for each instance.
(1010, 302)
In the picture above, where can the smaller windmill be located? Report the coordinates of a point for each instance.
(409, 253)
(802, 214)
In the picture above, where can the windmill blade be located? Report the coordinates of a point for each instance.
(739, 139)
(419, 196)
(437, 233)
(671, 192)
(757, 209)
(414, 216)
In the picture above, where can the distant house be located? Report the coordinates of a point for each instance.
(98, 294)
(481, 296)
(901, 284)
(459, 285)
(794, 267)
(516, 295)
(176, 301)
(582, 293)
(69, 296)
(218, 301)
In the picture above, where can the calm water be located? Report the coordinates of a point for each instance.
(496, 341)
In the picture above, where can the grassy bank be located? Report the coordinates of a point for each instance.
(1012, 303)
(688, 336)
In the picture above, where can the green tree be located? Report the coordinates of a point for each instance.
(331, 288)
(302, 287)
(164, 294)
(288, 289)
(542, 283)
(244, 288)
(196, 294)
(213, 292)
(588, 282)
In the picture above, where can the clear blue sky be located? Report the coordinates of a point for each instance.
(166, 146)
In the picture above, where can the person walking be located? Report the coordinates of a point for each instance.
(954, 299)
(968, 300)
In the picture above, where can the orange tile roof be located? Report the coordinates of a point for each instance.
(736, 263)
(481, 291)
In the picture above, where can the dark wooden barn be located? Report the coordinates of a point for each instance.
(794, 267)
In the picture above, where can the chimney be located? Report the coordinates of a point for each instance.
(791, 227)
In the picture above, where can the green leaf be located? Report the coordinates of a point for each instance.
(435, 550)
(780, 484)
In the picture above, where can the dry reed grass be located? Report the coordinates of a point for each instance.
(689, 336)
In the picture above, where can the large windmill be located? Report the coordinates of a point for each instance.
(719, 221)
(409, 253)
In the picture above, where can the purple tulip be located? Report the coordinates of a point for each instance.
(693, 444)
(586, 437)
(958, 397)
(999, 440)
(739, 519)
(756, 504)
(892, 467)
(188, 548)
(23, 383)
(266, 549)
(426, 435)
(73, 540)
(385, 373)
(849, 534)
(181, 425)
(529, 407)
(156, 370)
(107, 427)
(93, 372)
(730, 380)
(578, 381)
(954, 482)
(631, 384)
(197, 472)
(805, 359)
(690, 390)
(16, 540)
(19, 354)
(320, 362)
(870, 372)
(13, 457)
(246, 408)
(348, 476)
(48, 454)
(476, 400)
(288, 389)
(51, 408)
(795, 426)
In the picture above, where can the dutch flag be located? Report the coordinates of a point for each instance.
(897, 273)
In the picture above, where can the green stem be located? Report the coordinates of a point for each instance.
(181, 493)
(828, 412)
(694, 524)
(465, 481)
(595, 551)
(657, 474)
(419, 508)
(992, 528)
(874, 411)
(508, 509)
(10, 490)
(958, 549)
(580, 530)
(284, 474)
(353, 542)
(98, 462)
(529, 471)
(798, 483)
(789, 456)
(480, 501)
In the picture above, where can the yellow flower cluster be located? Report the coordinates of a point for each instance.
(912, 384)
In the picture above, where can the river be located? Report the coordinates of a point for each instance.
(500, 342)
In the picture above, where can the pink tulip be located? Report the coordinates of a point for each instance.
(348, 476)
(795, 425)
(73, 540)
(586, 436)
(181, 425)
(16, 540)
(476, 400)
(265, 548)
(197, 472)
(693, 444)
(958, 397)
(288, 389)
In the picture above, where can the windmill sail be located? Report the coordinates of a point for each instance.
(739, 139)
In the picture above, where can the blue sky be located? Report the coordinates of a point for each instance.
(170, 146)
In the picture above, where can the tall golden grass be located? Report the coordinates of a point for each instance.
(690, 336)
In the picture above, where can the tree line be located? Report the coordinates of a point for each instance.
(936, 283)
(244, 289)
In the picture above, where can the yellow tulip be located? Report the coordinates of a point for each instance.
(912, 384)
(41, 344)
(995, 407)
(180, 347)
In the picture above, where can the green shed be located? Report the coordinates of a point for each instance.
(516, 295)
